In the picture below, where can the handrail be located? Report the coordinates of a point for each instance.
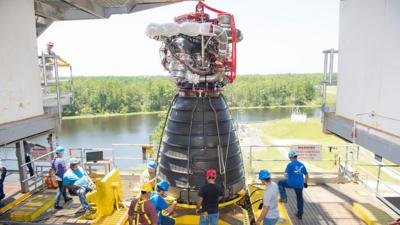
(36, 159)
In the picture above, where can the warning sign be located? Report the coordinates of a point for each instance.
(38, 151)
(308, 152)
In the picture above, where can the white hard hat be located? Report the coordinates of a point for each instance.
(73, 161)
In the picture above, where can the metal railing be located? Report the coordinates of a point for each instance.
(340, 153)
(80, 152)
(51, 61)
(329, 56)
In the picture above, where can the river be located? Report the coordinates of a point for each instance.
(104, 131)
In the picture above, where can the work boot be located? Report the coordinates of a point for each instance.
(283, 200)
(68, 199)
(58, 207)
(299, 216)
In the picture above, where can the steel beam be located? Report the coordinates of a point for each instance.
(48, 11)
(89, 6)
(376, 141)
(20, 153)
(18, 130)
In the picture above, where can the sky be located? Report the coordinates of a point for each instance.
(280, 36)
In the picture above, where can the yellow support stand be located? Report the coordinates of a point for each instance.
(107, 195)
(33, 209)
(15, 202)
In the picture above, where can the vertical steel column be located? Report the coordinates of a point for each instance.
(20, 153)
(332, 54)
(251, 160)
(347, 158)
(324, 80)
(44, 71)
(50, 142)
(58, 90)
(379, 177)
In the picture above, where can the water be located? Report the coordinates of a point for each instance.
(102, 132)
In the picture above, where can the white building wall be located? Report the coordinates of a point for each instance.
(20, 91)
(369, 62)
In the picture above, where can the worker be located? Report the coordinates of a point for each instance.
(77, 180)
(58, 165)
(142, 211)
(296, 177)
(28, 148)
(3, 172)
(157, 198)
(208, 197)
(50, 61)
(270, 213)
(149, 174)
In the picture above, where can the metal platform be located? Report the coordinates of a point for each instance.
(332, 204)
(48, 11)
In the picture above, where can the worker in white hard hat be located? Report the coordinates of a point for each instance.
(49, 67)
(77, 179)
(58, 165)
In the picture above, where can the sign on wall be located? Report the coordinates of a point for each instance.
(38, 151)
(308, 152)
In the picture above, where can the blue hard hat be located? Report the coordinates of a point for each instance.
(59, 149)
(152, 165)
(74, 161)
(292, 154)
(264, 174)
(163, 185)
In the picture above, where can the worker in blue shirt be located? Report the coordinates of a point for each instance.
(296, 177)
(157, 198)
(77, 179)
(58, 164)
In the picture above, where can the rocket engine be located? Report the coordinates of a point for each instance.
(200, 54)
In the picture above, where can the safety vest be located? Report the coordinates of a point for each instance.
(138, 210)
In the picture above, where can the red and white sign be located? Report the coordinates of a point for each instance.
(38, 151)
(308, 152)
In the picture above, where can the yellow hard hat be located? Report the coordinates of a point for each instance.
(147, 187)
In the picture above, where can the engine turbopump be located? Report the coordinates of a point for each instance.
(198, 52)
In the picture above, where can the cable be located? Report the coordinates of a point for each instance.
(165, 123)
(189, 145)
(221, 163)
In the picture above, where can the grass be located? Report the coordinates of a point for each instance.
(310, 131)
(283, 130)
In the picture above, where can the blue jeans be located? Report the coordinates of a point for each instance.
(166, 220)
(61, 191)
(82, 197)
(212, 219)
(299, 194)
(270, 221)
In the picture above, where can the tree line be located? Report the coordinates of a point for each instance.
(102, 95)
